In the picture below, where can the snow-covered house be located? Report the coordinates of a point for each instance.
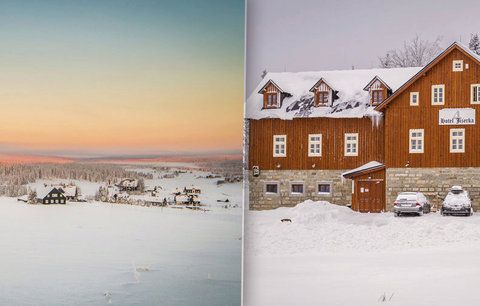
(306, 129)
(50, 195)
(192, 190)
(128, 184)
(70, 192)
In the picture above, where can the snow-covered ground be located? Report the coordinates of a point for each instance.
(100, 253)
(330, 255)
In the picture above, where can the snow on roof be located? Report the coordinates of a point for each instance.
(367, 166)
(467, 49)
(353, 101)
(42, 192)
(70, 191)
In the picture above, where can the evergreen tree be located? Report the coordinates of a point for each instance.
(474, 43)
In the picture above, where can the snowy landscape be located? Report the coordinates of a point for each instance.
(124, 251)
(331, 255)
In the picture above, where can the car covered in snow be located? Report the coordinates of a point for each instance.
(411, 203)
(457, 202)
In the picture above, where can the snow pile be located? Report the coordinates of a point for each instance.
(352, 102)
(321, 227)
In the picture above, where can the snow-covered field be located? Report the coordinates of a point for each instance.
(330, 255)
(100, 253)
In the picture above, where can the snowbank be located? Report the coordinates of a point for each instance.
(321, 227)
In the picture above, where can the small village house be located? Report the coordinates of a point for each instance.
(50, 195)
(128, 184)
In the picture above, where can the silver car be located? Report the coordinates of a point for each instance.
(411, 203)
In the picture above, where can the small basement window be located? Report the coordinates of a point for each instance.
(475, 94)
(457, 65)
(279, 145)
(414, 98)
(416, 141)
(315, 145)
(457, 140)
(271, 188)
(438, 94)
(296, 188)
(324, 188)
(351, 144)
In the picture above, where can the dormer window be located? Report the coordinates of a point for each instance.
(272, 100)
(377, 96)
(323, 93)
(378, 90)
(322, 98)
(272, 95)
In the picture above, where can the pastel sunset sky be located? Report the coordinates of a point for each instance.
(121, 76)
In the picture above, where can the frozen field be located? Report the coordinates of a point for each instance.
(101, 254)
(330, 255)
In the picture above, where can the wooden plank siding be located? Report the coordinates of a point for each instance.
(370, 143)
(400, 117)
(373, 176)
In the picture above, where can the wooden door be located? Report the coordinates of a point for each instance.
(371, 195)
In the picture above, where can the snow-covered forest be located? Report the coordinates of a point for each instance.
(14, 177)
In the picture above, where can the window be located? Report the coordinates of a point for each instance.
(271, 188)
(414, 98)
(54, 195)
(457, 140)
(322, 98)
(272, 100)
(475, 94)
(457, 65)
(296, 188)
(315, 145)
(46, 201)
(351, 144)
(377, 96)
(438, 94)
(324, 188)
(279, 145)
(416, 141)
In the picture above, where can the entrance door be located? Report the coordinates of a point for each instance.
(370, 196)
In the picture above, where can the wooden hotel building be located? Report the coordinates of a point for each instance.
(360, 137)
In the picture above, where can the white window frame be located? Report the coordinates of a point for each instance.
(438, 87)
(351, 142)
(272, 183)
(297, 193)
(454, 64)
(324, 193)
(279, 143)
(417, 95)
(462, 138)
(315, 143)
(473, 88)
(416, 138)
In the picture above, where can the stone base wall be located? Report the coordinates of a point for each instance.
(433, 182)
(341, 190)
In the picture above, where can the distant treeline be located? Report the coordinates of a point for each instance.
(14, 177)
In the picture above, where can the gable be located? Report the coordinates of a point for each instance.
(455, 51)
(321, 85)
(270, 86)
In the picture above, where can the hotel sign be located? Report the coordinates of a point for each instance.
(456, 116)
